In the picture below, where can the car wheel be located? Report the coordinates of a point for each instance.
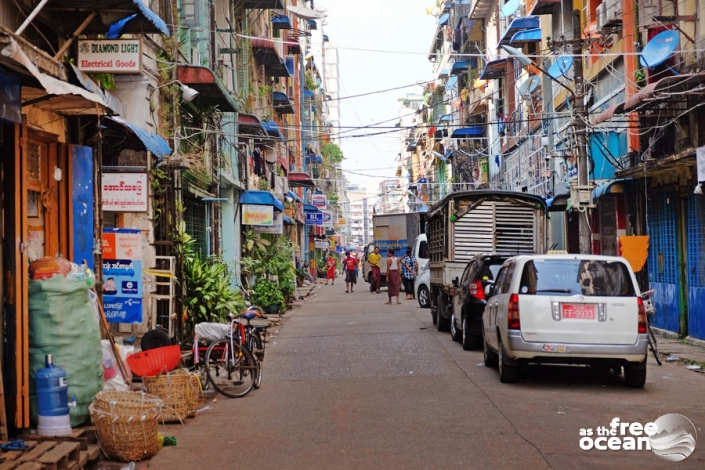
(469, 342)
(442, 323)
(507, 373)
(424, 297)
(454, 332)
(489, 357)
(635, 375)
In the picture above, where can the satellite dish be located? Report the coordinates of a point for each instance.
(659, 49)
(518, 54)
(560, 66)
(510, 8)
(529, 86)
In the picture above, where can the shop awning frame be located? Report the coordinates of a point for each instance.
(494, 69)
(249, 125)
(301, 180)
(211, 91)
(468, 132)
(617, 186)
(311, 209)
(263, 4)
(519, 24)
(261, 198)
(152, 142)
(282, 103)
(272, 130)
(294, 196)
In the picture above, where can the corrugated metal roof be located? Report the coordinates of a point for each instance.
(152, 142)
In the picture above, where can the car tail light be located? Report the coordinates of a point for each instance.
(513, 313)
(476, 290)
(642, 315)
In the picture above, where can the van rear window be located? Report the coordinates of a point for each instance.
(595, 278)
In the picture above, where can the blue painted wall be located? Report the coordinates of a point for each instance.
(602, 146)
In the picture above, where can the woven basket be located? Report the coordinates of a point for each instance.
(173, 390)
(195, 398)
(126, 424)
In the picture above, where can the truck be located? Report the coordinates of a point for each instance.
(396, 231)
(468, 223)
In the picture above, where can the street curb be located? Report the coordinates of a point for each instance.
(665, 333)
(695, 341)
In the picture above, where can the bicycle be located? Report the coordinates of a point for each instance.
(230, 367)
(650, 312)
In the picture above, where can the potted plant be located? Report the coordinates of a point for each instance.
(268, 296)
(300, 276)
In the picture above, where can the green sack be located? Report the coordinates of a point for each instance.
(63, 322)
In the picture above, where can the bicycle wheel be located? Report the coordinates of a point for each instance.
(258, 354)
(231, 376)
(654, 346)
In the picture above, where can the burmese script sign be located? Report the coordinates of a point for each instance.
(110, 55)
(125, 192)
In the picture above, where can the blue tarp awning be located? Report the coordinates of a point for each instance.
(519, 24)
(261, 198)
(152, 142)
(527, 36)
(613, 187)
(309, 93)
(452, 82)
(444, 118)
(443, 19)
(288, 221)
(312, 24)
(272, 129)
(494, 70)
(290, 65)
(459, 67)
(144, 21)
(294, 196)
(281, 22)
(311, 208)
(558, 203)
(467, 132)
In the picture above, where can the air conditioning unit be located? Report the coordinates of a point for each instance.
(600, 15)
(613, 13)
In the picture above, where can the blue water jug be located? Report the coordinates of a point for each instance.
(52, 390)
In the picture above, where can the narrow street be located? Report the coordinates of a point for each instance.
(352, 383)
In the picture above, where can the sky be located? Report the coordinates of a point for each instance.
(377, 25)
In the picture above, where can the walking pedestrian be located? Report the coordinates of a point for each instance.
(331, 269)
(374, 259)
(409, 271)
(350, 264)
(393, 280)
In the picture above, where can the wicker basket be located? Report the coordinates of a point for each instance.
(126, 424)
(173, 390)
(195, 398)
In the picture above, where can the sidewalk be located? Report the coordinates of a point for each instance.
(688, 351)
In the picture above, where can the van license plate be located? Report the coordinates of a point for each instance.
(578, 311)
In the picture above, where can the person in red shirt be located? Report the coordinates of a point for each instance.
(350, 264)
(331, 269)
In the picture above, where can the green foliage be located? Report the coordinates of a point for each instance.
(269, 262)
(210, 296)
(264, 184)
(310, 84)
(332, 152)
(253, 245)
(266, 293)
(265, 90)
(301, 274)
(106, 80)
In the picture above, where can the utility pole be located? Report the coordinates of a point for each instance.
(580, 118)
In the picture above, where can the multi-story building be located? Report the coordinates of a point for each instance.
(360, 218)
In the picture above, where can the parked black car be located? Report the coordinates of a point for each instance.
(469, 302)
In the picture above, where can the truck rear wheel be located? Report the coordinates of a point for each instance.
(443, 323)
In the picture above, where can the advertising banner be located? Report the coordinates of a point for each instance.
(122, 275)
(257, 215)
(319, 200)
(125, 192)
(110, 55)
(277, 226)
(327, 218)
(314, 218)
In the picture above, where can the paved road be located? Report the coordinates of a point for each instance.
(355, 384)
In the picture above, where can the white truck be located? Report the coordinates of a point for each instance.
(397, 231)
(468, 223)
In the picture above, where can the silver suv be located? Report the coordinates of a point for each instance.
(567, 309)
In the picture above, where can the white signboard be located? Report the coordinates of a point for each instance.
(327, 218)
(253, 214)
(319, 200)
(110, 55)
(322, 244)
(277, 226)
(125, 192)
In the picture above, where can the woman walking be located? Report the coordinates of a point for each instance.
(393, 279)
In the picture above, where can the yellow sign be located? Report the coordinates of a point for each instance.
(257, 215)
